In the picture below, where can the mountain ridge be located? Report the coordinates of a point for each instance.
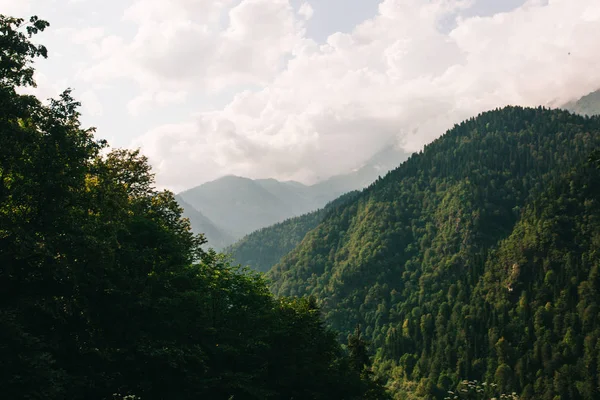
(417, 242)
(263, 248)
(238, 206)
(587, 105)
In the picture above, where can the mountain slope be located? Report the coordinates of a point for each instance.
(216, 238)
(404, 259)
(378, 165)
(237, 205)
(262, 249)
(240, 206)
(587, 105)
(543, 282)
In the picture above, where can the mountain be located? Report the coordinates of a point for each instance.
(263, 248)
(587, 105)
(201, 224)
(379, 164)
(476, 259)
(238, 206)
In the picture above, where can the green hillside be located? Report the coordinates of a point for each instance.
(413, 260)
(262, 249)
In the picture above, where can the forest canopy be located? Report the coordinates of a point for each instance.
(475, 260)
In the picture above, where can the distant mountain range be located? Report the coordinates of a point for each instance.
(231, 207)
(217, 237)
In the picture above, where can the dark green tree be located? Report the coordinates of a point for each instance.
(105, 293)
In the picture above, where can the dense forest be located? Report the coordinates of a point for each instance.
(470, 271)
(106, 294)
(263, 248)
(474, 260)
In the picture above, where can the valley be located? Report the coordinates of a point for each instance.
(468, 270)
(234, 206)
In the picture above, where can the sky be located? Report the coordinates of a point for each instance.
(303, 89)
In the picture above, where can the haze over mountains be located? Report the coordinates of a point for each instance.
(587, 105)
(231, 207)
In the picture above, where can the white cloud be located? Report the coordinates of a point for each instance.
(86, 35)
(145, 100)
(46, 87)
(19, 8)
(396, 76)
(304, 109)
(200, 45)
(306, 11)
(91, 104)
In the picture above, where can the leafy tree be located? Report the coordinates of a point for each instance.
(105, 293)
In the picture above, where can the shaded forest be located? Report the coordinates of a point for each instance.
(106, 294)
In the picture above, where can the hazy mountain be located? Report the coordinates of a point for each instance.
(378, 165)
(587, 105)
(237, 206)
(476, 259)
(216, 237)
(263, 248)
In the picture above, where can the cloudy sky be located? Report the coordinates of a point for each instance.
(296, 89)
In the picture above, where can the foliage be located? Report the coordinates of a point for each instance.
(475, 259)
(105, 292)
(478, 390)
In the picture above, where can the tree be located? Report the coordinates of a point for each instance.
(106, 293)
(357, 349)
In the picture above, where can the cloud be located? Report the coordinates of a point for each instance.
(306, 11)
(295, 108)
(396, 77)
(91, 104)
(46, 87)
(145, 100)
(13, 8)
(203, 45)
(86, 35)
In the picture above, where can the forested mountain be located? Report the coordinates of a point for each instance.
(105, 293)
(237, 206)
(262, 249)
(587, 105)
(475, 259)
